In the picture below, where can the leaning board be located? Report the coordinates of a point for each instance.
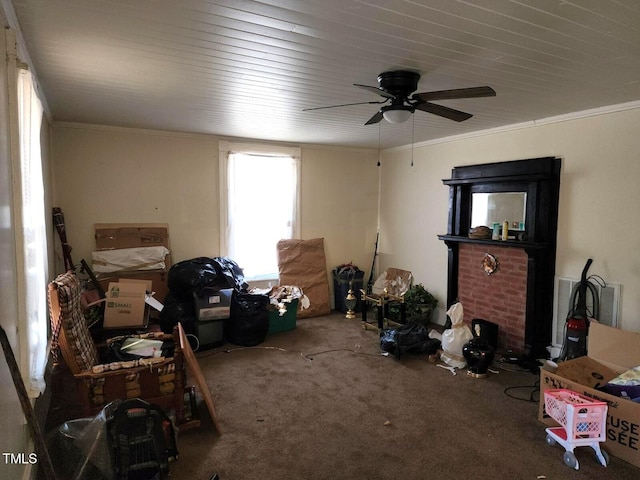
(194, 369)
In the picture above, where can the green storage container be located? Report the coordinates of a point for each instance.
(285, 322)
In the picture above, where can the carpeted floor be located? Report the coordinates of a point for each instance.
(321, 402)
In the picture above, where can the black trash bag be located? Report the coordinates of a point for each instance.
(176, 310)
(193, 276)
(248, 324)
(233, 273)
(411, 338)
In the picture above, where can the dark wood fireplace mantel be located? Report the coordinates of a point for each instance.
(540, 179)
(496, 243)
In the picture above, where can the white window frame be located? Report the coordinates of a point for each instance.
(26, 116)
(225, 148)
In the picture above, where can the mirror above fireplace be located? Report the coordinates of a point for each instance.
(489, 208)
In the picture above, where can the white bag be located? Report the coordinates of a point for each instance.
(137, 258)
(454, 338)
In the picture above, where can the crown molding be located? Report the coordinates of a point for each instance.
(593, 112)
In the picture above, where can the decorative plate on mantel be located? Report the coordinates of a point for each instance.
(489, 263)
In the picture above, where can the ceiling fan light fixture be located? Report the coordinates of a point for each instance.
(397, 113)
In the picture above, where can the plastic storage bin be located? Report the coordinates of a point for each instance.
(285, 322)
(211, 333)
(213, 307)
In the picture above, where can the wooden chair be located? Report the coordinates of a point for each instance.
(161, 381)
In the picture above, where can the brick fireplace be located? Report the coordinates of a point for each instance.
(500, 297)
(518, 296)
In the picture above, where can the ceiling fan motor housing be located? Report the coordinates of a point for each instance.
(400, 82)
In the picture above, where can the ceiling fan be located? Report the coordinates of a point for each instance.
(398, 86)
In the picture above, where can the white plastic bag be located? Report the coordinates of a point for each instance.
(136, 258)
(454, 338)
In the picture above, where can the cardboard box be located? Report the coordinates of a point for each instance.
(126, 304)
(111, 236)
(158, 279)
(611, 352)
(128, 235)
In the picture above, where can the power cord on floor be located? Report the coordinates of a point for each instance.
(235, 349)
(310, 356)
(535, 388)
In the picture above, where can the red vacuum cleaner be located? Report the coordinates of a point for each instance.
(577, 325)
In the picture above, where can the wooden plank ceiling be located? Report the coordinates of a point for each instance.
(243, 68)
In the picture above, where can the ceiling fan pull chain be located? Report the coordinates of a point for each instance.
(413, 131)
(379, 155)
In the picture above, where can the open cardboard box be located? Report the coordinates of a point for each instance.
(127, 304)
(611, 352)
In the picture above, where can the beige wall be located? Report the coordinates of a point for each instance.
(124, 175)
(340, 202)
(118, 175)
(599, 198)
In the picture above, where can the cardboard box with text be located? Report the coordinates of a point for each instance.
(611, 352)
(126, 305)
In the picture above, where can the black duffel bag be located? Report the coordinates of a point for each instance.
(411, 338)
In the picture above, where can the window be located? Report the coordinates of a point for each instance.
(30, 234)
(260, 205)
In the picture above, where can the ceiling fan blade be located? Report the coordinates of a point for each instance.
(375, 119)
(376, 90)
(344, 105)
(473, 92)
(442, 111)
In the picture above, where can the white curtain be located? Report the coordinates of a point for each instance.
(262, 207)
(31, 239)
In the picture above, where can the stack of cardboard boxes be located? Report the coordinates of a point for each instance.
(130, 293)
